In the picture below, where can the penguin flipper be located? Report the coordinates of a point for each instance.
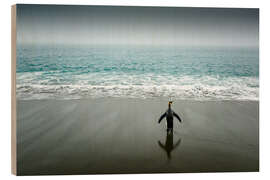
(176, 115)
(161, 117)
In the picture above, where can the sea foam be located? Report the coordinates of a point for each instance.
(143, 86)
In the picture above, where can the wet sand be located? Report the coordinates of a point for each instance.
(122, 136)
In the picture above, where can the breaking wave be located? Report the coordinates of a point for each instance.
(139, 86)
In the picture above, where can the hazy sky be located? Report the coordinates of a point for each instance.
(137, 25)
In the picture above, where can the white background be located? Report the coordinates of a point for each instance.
(5, 87)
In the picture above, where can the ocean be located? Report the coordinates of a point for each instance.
(79, 72)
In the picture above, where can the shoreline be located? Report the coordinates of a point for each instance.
(142, 99)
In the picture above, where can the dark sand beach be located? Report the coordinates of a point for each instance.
(122, 136)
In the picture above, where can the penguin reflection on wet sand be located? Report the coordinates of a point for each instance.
(169, 117)
(169, 146)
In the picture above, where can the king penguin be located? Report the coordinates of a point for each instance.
(169, 117)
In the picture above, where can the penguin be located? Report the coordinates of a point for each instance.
(169, 117)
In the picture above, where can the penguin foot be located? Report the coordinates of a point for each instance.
(169, 130)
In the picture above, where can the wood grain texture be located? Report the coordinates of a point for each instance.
(13, 91)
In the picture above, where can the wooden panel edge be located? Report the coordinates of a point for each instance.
(13, 91)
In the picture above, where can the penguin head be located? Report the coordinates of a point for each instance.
(170, 102)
